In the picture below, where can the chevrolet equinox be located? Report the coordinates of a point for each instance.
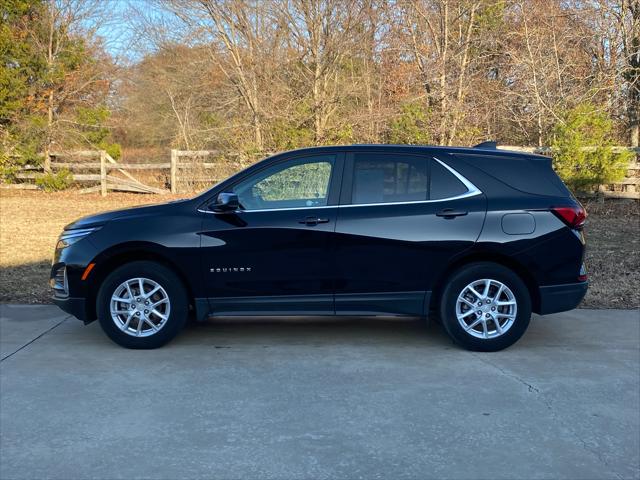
(477, 237)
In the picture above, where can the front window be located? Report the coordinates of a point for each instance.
(298, 183)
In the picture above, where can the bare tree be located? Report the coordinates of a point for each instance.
(245, 31)
(629, 22)
(440, 36)
(285, 73)
(323, 33)
(551, 65)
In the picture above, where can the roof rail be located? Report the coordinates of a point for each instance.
(489, 145)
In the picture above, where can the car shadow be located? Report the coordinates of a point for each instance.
(351, 331)
(313, 331)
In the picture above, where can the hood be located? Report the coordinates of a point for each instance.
(104, 217)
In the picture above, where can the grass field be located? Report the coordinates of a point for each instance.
(30, 223)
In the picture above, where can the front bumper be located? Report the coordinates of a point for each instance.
(73, 305)
(69, 291)
(560, 298)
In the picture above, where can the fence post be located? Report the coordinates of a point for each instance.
(174, 170)
(47, 160)
(103, 173)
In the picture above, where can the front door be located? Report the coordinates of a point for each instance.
(402, 219)
(273, 255)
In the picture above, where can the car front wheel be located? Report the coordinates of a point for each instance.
(142, 305)
(485, 307)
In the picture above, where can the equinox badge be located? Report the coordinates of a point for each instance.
(229, 269)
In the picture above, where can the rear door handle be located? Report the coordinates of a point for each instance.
(313, 221)
(451, 213)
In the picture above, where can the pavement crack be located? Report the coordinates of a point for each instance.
(36, 338)
(530, 387)
(594, 451)
(533, 389)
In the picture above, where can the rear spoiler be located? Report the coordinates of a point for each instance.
(539, 155)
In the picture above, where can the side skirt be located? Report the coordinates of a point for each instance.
(346, 304)
(272, 305)
(387, 303)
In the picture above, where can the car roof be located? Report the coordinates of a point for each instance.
(408, 148)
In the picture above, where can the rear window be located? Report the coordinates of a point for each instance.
(528, 174)
(383, 178)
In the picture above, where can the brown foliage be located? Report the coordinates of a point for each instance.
(239, 75)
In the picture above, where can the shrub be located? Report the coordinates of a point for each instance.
(291, 133)
(582, 149)
(95, 130)
(410, 127)
(7, 171)
(52, 182)
(113, 149)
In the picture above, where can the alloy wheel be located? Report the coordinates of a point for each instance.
(140, 307)
(486, 308)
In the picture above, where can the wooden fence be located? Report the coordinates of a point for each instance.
(97, 166)
(188, 170)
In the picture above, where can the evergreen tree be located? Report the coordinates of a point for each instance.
(582, 150)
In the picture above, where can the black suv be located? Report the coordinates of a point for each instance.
(477, 237)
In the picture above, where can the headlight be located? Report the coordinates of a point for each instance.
(69, 237)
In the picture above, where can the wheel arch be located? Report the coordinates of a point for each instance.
(119, 255)
(483, 256)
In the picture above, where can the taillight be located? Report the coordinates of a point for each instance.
(573, 217)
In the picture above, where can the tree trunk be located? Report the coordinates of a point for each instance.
(633, 76)
(47, 146)
(317, 104)
(257, 132)
(457, 113)
(50, 61)
(444, 108)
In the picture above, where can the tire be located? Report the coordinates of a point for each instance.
(126, 324)
(512, 319)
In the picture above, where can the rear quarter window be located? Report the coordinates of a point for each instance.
(444, 184)
(528, 174)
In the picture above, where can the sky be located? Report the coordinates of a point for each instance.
(123, 38)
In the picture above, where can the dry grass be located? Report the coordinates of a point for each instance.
(31, 221)
(613, 254)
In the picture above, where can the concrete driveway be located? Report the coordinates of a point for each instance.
(340, 399)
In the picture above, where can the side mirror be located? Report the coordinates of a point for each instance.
(226, 202)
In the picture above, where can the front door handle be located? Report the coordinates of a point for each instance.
(451, 213)
(313, 221)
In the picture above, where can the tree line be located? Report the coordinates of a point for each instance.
(255, 76)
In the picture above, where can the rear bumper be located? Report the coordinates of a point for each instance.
(73, 305)
(560, 298)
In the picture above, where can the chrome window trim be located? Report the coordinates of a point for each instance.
(472, 191)
(471, 188)
(272, 209)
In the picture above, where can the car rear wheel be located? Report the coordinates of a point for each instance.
(142, 305)
(485, 307)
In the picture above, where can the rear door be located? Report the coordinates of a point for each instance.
(403, 218)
